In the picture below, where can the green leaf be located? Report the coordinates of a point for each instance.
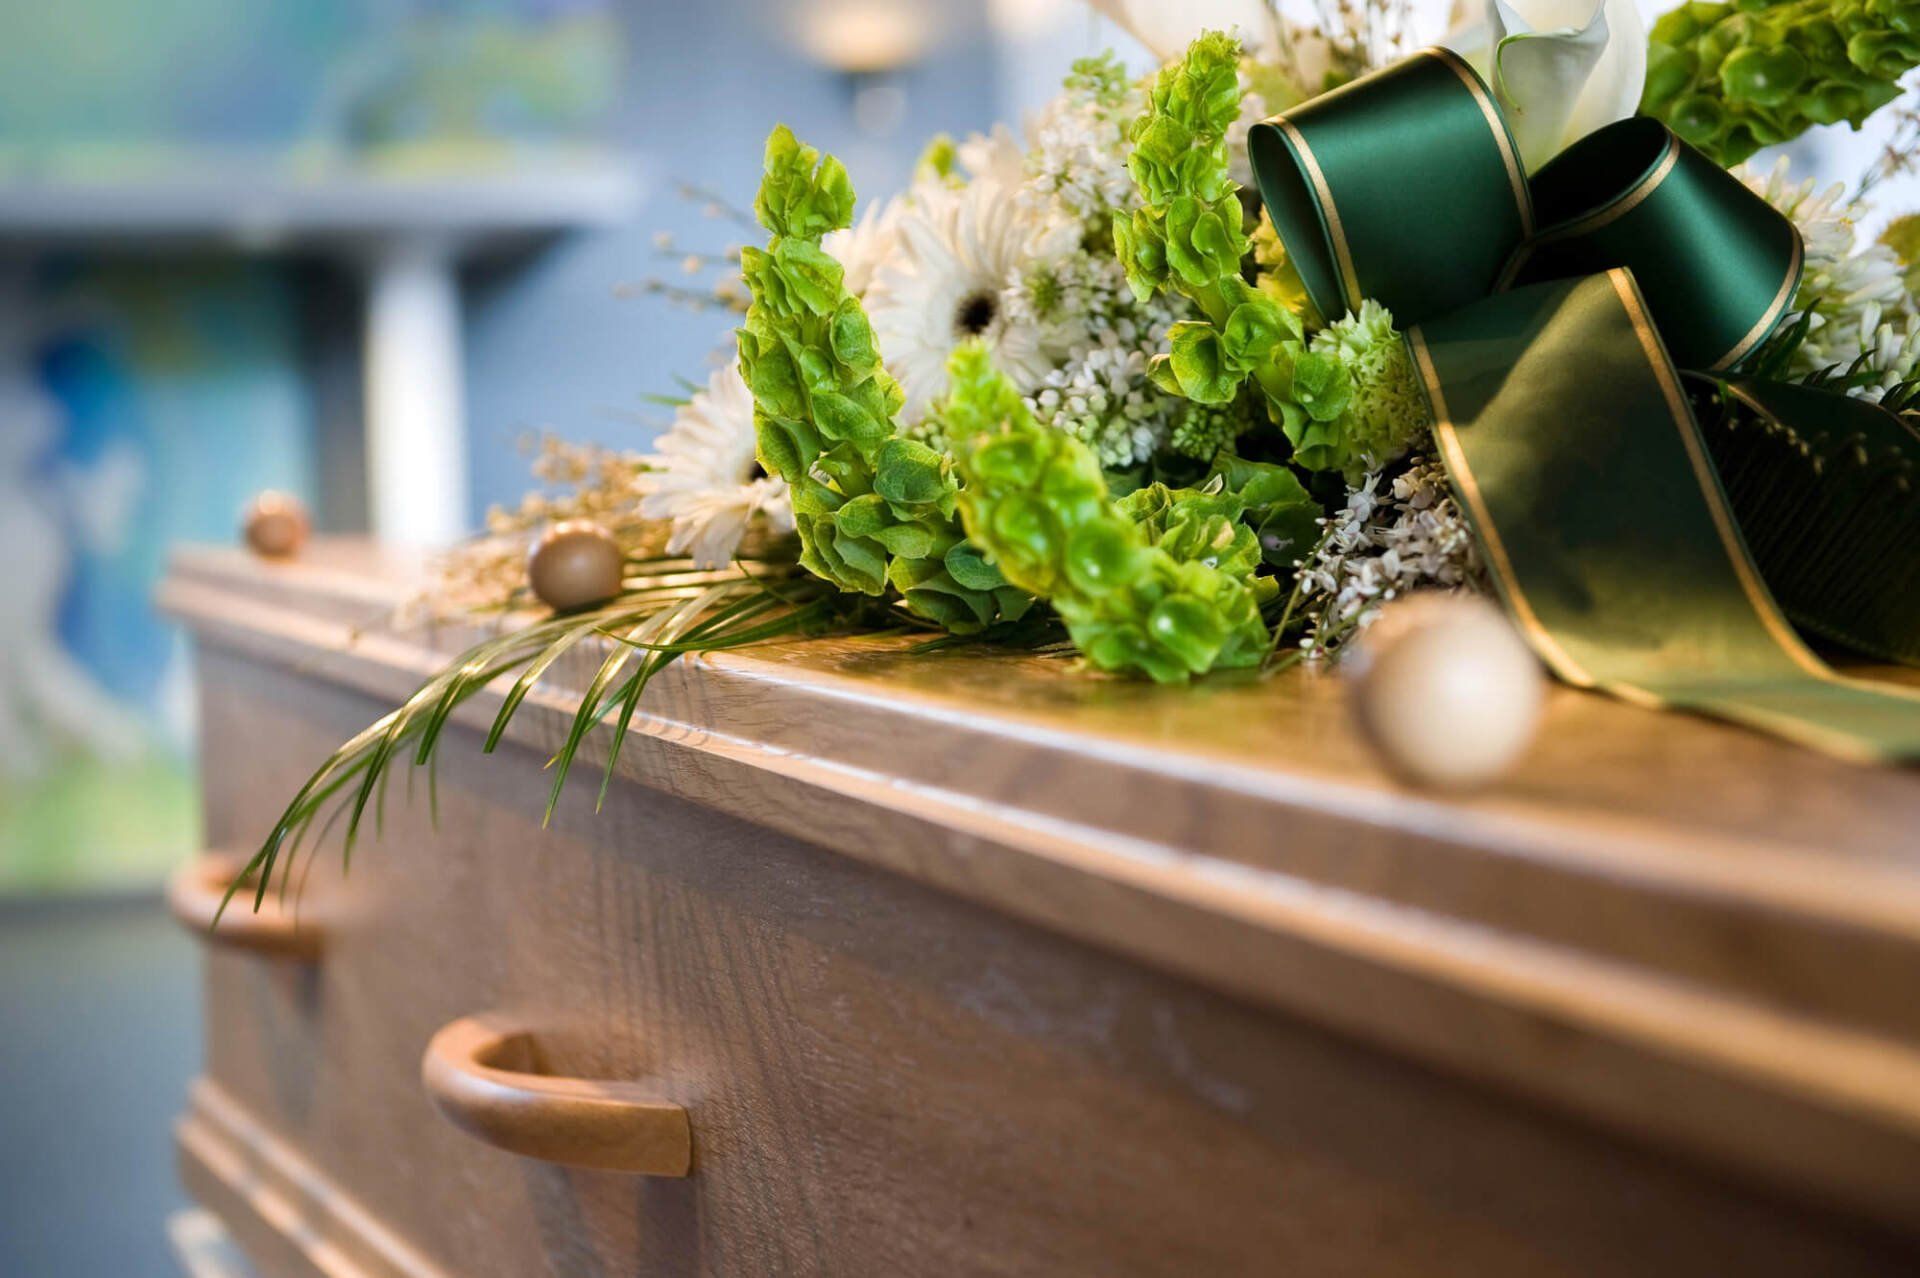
(1160, 373)
(1216, 238)
(971, 569)
(851, 337)
(1140, 243)
(802, 195)
(1252, 332)
(909, 472)
(908, 541)
(863, 516)
(1282, 513)
(1188, 260)
(771, 374)
(811, 274)
(1321, 386)
(1199, 364)
(840, 417)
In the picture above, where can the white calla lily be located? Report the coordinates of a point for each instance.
(1167, 27)
(1561, 68)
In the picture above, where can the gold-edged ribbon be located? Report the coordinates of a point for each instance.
(1548, 319)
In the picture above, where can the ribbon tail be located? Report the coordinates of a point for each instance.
(1824, 488)
(1563, 426)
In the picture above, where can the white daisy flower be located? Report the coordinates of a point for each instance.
(960, 252)
(705, 477)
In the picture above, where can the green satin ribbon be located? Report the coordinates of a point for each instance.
(1546, 318)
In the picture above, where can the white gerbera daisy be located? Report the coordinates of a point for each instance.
(705, 478)
(960, 251)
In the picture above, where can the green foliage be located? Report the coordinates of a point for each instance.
(1732, 78)
(875, 512)
(938, 158)
(1284, 517)
(1180, 144)
(1383, 411)
(1161, 583)
(1202, 431)
(803, 195)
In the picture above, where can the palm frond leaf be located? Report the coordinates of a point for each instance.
(667, 610)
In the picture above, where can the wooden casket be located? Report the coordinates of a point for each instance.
(881, 962)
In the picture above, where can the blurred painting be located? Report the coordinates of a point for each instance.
(144, 399)
(139, 406)
(103, 87)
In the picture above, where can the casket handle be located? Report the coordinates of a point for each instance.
(194, 893)
(481, 1073)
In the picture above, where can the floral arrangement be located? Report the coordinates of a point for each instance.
(1077, 394)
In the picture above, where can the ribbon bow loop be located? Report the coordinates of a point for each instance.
(1407, 187)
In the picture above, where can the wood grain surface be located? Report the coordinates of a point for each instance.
(978, 964)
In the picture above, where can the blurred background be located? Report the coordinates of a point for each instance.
(356, 250)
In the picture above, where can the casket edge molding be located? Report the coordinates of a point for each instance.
(1712, 1071)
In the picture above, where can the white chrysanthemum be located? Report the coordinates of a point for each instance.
(1892, 350)
(705, 478)
(960, 251)
(862, 247)
(1853, 293)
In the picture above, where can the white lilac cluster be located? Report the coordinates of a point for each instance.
(1103, 399)
(1854, 295)
(1383, 544)
(1077, 146)
(1099, 393)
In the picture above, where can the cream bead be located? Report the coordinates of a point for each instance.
(275, 525)
(1445, 689)
(574, 564)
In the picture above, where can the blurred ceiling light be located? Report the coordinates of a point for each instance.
(865, 37)
(1021, 19)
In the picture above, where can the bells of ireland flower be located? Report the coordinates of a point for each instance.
(1732, 78)
(1561, 68)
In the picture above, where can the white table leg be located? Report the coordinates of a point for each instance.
(416, 427)
(203, 1247)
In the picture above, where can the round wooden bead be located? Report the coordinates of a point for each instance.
(275, 525)
(574, 564)
(1445, 690)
